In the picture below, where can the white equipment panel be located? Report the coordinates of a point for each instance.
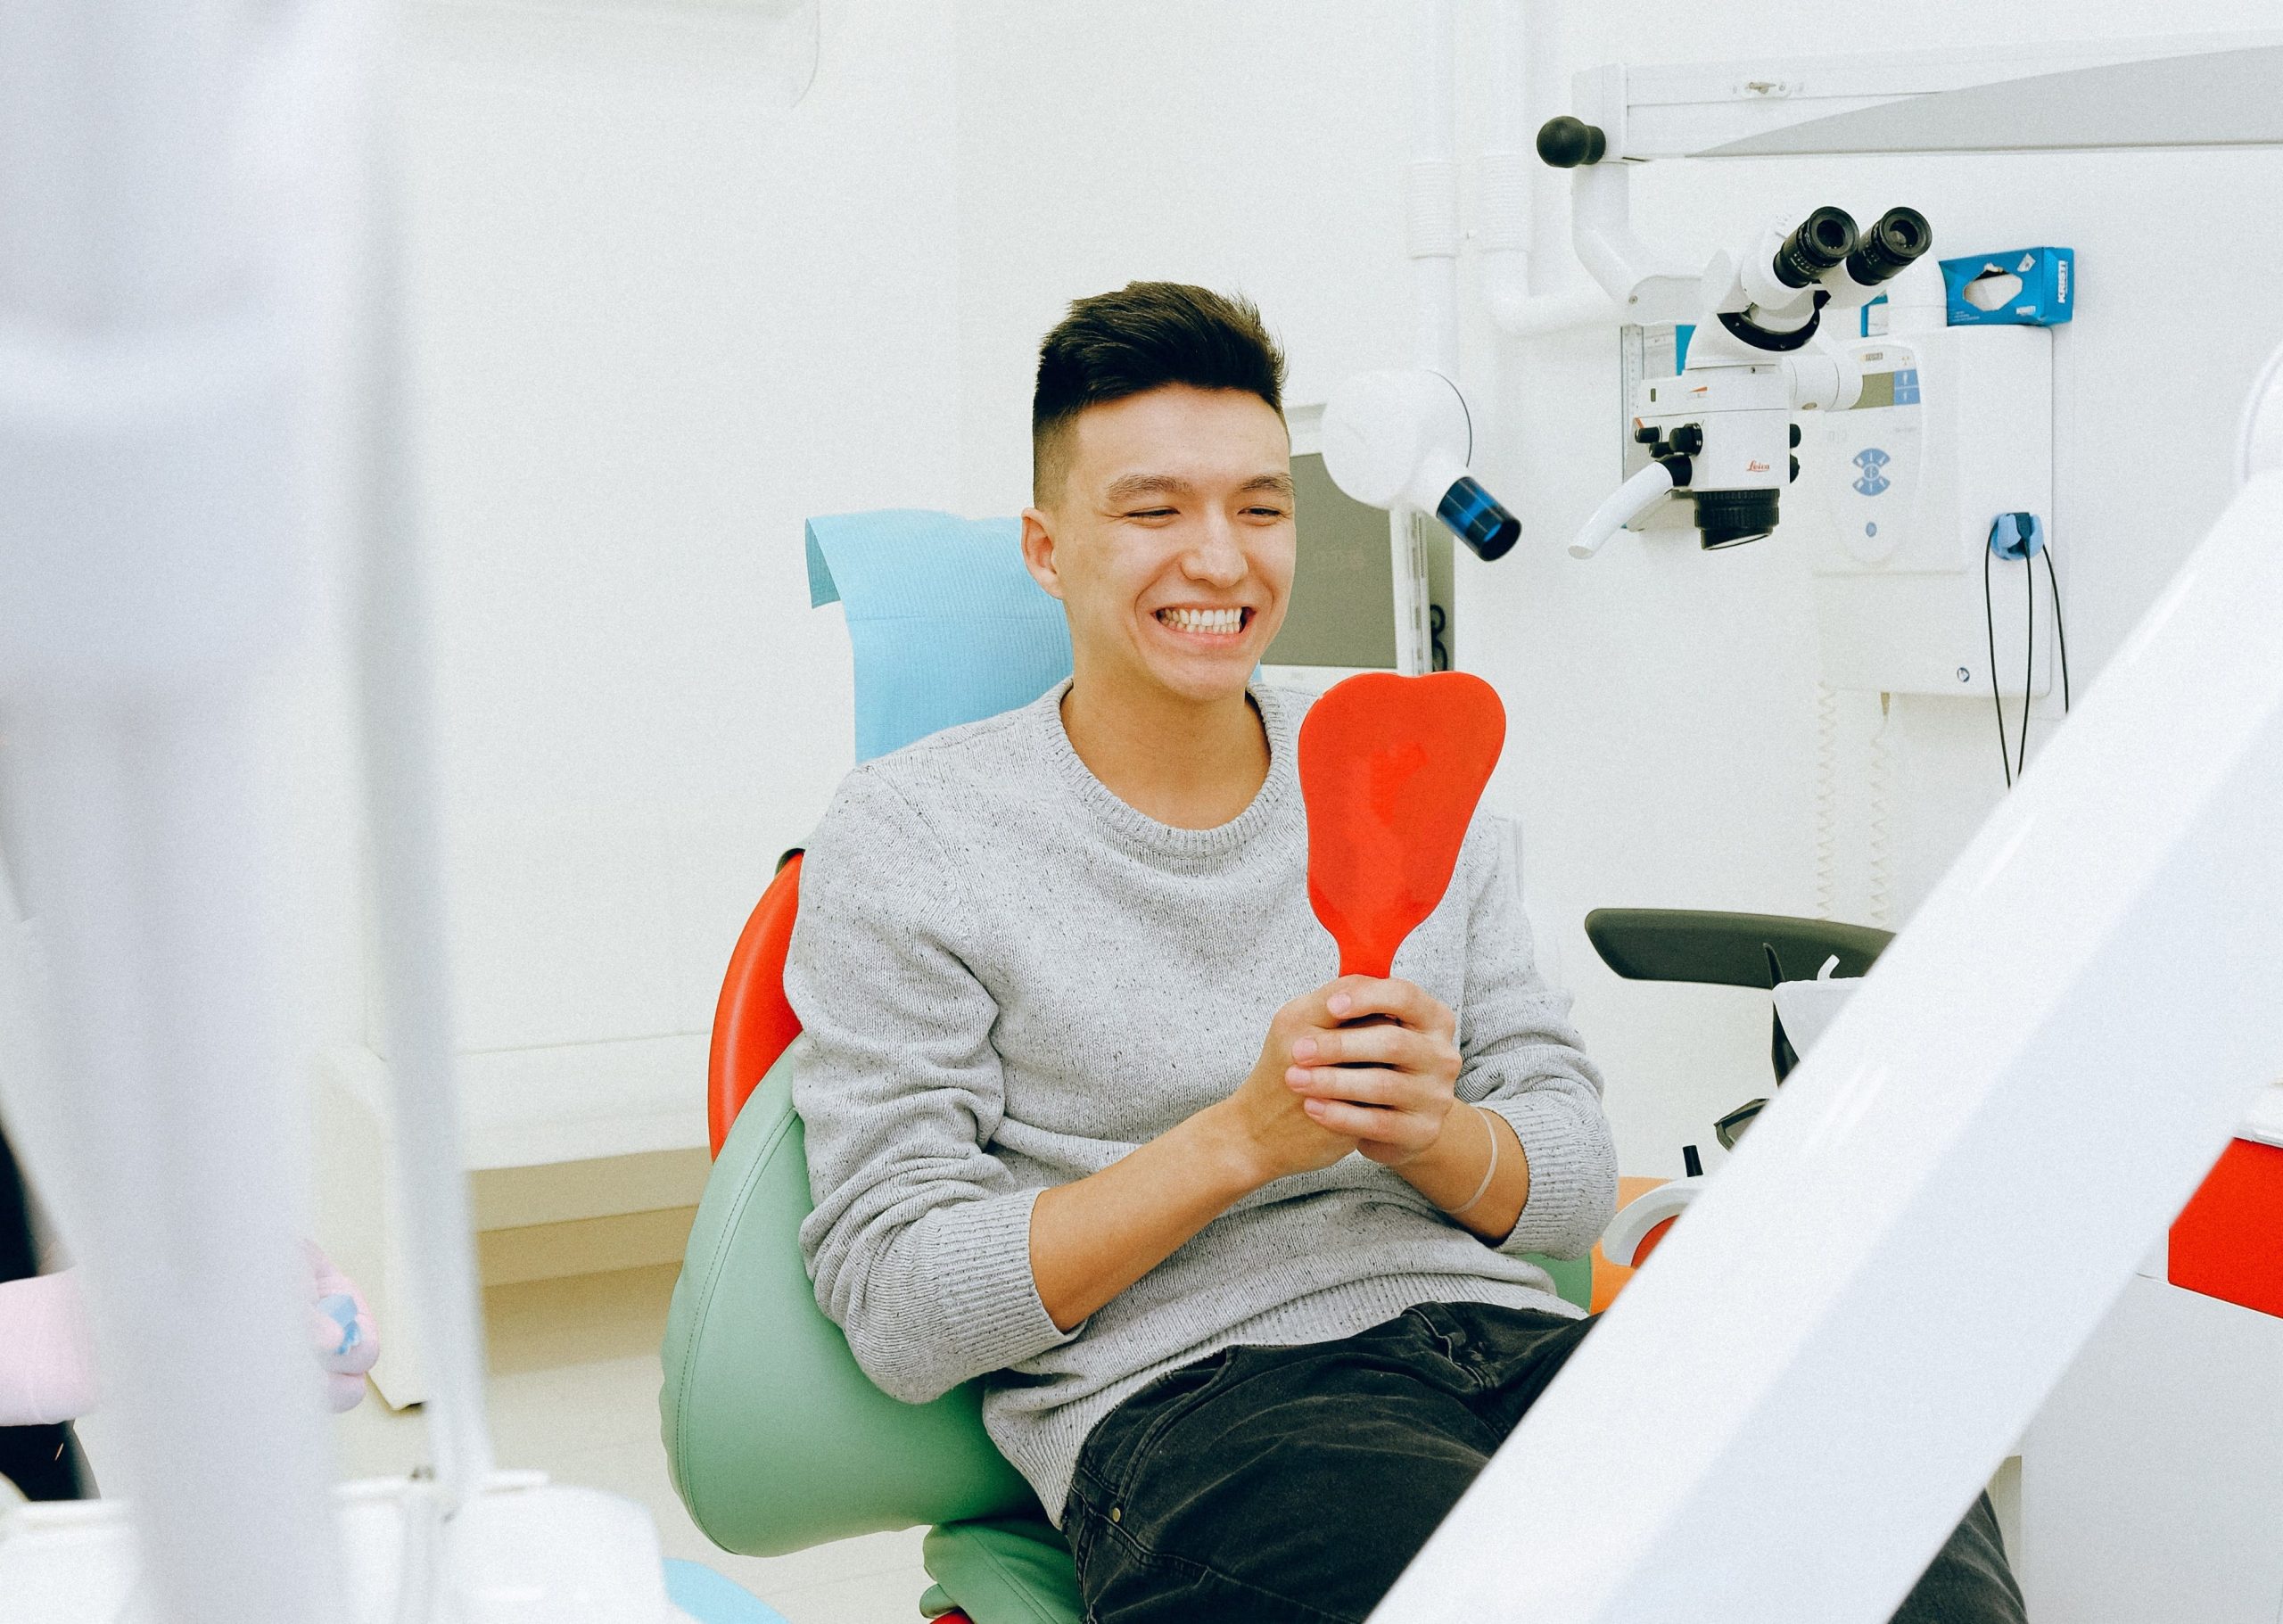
(1955, 427)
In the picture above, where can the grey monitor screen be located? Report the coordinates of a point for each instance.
(1342, 610)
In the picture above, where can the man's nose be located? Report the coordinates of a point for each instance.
(1215, 559)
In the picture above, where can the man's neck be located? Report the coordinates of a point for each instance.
(1192, 764)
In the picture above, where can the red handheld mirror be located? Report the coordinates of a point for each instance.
(1391, 768)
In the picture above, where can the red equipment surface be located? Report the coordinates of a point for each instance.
(752, 1022)
(2228, 1240)
(1391, 768)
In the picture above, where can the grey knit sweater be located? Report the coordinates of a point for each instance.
(1010, 978)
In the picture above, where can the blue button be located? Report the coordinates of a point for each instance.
(1871, 529)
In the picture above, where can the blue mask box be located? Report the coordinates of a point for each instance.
(2023, 287)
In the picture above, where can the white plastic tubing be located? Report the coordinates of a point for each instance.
(1432, 200)
(1523, 34)
(1520, 85)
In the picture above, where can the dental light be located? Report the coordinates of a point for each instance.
(1401, 439)
(1722, 430)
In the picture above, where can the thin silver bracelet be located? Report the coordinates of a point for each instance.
(1489, 1173)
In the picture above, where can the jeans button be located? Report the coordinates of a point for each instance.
(1117, 1513)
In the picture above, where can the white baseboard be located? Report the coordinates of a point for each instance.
(582, 1158)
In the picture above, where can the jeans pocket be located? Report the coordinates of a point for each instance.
(1122, 1440)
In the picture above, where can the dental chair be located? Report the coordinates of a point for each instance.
(775, 1438)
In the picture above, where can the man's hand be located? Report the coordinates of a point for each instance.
(1320, 1089)
(1094, 1237)
(1267, 1122)
(1385, 1078)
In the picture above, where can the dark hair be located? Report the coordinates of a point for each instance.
(1143, 337)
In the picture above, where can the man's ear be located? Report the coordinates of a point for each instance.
(1038, 549)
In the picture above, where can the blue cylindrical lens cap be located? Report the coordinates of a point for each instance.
(1475, 517)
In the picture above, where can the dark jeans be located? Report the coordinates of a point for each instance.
(1293, 1484)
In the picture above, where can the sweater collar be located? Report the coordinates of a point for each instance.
(1279, 792)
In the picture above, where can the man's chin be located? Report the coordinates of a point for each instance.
(1204, 683)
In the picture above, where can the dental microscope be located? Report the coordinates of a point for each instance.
(1721, 431)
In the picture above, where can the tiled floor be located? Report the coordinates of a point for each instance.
(574, 1393)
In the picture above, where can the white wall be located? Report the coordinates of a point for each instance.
(658, 327)
(1247, 147)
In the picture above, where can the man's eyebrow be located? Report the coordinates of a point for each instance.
(1134, 486)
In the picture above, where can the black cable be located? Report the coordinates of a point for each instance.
(2029, 660)
(1989, 623)
(2059, 632)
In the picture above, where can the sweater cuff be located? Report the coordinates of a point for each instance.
(1573, 1175)
(978, 1256)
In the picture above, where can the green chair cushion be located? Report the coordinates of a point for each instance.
(1003, 1570)
(1573, 1277)
(775, 1439)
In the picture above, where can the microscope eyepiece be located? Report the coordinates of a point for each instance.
(1821, 241)
(1894, 240)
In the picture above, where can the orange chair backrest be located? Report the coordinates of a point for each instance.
(752, 1022)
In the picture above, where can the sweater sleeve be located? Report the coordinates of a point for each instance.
(920, 1242)
(1521, 1057)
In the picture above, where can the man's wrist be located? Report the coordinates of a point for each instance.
(1447, 1170)
(1227, 1155)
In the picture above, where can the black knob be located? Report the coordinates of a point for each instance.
(1688, 438)
(1795, 436)
(1795, 465)
(1647, 435)
(1679, 467)
(1565, 143)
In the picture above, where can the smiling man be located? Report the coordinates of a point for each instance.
(1248, 1284)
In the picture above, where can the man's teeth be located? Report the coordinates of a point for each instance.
(1220, 621)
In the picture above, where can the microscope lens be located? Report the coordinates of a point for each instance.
(1729, 518)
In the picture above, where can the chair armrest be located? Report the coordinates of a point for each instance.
(1727, 949)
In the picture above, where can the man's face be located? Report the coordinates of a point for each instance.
(1171, 544)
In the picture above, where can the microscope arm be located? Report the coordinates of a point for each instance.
(1648, 285)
